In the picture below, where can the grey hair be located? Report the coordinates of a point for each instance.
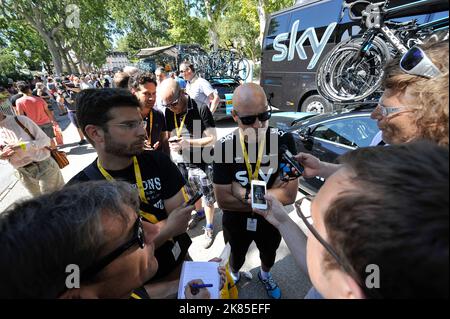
(40, 237)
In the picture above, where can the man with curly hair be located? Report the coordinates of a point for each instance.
(416, 106)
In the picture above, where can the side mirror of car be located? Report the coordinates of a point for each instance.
(306, 138)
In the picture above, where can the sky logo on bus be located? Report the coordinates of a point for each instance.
(310, 34)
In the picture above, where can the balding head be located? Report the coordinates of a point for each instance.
(249, 99)
(168, 92)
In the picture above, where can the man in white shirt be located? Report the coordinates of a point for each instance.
(199, 89)
(38, 171)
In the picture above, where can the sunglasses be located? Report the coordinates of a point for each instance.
(416, 62)
(173, 103)
(138, 238)
(262, 117)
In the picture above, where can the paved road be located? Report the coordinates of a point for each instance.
(292, 281)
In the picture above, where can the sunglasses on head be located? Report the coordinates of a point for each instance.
(250, 119)
(416, 62)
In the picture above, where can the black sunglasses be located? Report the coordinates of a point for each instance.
(262, 117)
(138, 238)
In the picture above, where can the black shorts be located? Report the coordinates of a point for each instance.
(267, 238)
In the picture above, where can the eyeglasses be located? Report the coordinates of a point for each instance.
(138, 238)
(416, 62)
(173, 103)
(316, 234)
(385, 111)
(262, 117)
(132, 125)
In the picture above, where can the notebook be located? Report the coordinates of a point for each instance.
(206, 271)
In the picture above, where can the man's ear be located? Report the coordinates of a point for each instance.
(95, 133)
(234, 115)
(86, 292)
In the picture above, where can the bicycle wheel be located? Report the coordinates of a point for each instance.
(242, 69)
(340, 79)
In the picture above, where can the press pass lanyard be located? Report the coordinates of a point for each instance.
(150, 129)
(178, 130)
(140, 185)
(252, 175)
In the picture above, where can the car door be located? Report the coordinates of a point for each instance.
(335, 137)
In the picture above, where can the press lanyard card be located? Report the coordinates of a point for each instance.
(251, 224)
(176, 250)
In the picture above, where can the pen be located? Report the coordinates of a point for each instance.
(195, 286)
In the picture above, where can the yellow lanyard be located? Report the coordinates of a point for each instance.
(252, 175)
(178, 130)
(140, 185)
(151, 127)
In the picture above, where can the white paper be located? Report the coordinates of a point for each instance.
(206, 271)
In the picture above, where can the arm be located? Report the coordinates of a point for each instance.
(226, 200)
(284, 192)
(177, 221)
(47, 111)
(41, 139)
(277, 215)
(209, 139)
(215, 100)
(315, 167)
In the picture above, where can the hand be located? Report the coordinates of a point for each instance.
(201, 293)
(178, 219)
(8, 151)
(175, 146)
(311, 164)
(238, 191)
(275, 213)
(222, 272)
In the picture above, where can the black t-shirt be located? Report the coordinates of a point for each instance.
(159, 125)
(162, 180)
(202, 117)
(229, 165)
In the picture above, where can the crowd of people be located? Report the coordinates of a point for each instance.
(123, 219)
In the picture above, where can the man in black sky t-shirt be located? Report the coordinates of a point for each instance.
(251, 153)
(111, 120)
(192, 133)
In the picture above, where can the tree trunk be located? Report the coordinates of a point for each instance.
(49, 40)
(213, 35)
(262, 21)
(72, 63)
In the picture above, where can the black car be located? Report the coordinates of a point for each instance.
(327, 136)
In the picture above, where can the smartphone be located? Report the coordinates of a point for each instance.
(289, 159)
(194, 199)
(258, 191)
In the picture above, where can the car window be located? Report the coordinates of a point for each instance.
(353, 132)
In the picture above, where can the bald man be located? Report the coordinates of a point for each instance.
(192, 133)
(251, 153)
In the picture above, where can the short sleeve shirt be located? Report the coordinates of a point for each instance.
(199, 89)
(229, 165)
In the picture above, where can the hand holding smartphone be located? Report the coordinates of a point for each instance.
(194, 199)
(258, 193)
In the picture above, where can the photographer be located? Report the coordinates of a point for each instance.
(251, 153)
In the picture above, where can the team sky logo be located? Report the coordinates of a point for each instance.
(242, 176)
(297, 45)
